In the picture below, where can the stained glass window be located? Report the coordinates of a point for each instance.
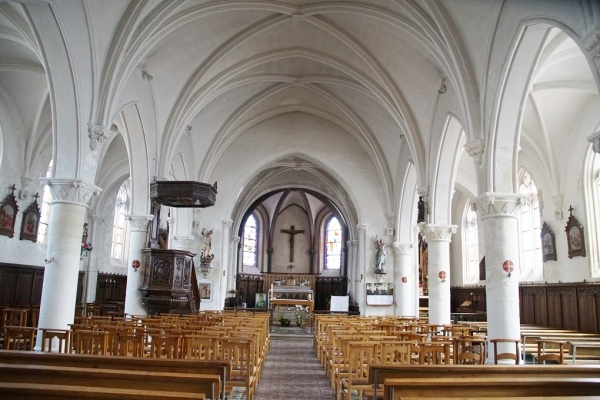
(250, 242)
(472, 241)
(531, 241)
(333, 244)
(119, 221)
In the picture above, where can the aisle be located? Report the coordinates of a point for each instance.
(292, 371)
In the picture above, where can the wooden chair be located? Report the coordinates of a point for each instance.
(19, 338)
(14, 317)
(90, 342)
(395, 353)
(516, 356)
(239, 353)
(199, 347)
(543, 355)
(434, 352)
(469, 350)
(165, 346)
(56, 340)
(127, 344)
(360, 354)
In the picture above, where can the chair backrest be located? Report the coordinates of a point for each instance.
(56, 340)
(165, 346)
(469, 350)
(90, 342)
(502, 344)
(550, 350)
(18, 338)
(395, 353)
(434, 353)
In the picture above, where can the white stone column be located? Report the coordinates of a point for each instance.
(352, 250)
(70, 198)
(225, 252)
(405, 280)
(91, 276)
(234, 242)
(361, 262)
(138, 229)
(500, 213)
(438, 244)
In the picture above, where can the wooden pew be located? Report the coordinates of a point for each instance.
(38, 391)
(378, 374)
(482, 387)
(120, 364)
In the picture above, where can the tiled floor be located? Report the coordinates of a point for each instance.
(292, 371)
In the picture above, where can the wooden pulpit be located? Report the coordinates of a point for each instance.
(169, 283)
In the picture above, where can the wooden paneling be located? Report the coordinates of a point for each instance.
(558, 305)
(327, 287)
(248, 286)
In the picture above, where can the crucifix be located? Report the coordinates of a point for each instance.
(292, 232)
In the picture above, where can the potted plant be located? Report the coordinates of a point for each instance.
(284, 321)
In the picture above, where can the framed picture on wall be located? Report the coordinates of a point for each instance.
(31, 220)
(575, 238)
(8, 214)
(548, 243)
(205, 289)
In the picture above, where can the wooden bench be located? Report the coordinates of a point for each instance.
(378, 374)
(38, 391)
(141, 366)
(482, 387)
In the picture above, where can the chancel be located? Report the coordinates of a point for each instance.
(435, 164)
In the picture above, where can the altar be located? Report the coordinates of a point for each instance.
(290, 296)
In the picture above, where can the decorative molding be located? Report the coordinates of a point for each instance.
(227, 222)
(437, 232)
(592, 45)
(352, 243)
(423, 191)
(25, 191)
(138, 222)
(74, 191)
(443, 87)
(558, 204)
(183, 238)
(98, 135)
(297, 17)
(362, 226)
(475, 150)
(391, 217)
(499, 204)
(234, 238)
(403, 248)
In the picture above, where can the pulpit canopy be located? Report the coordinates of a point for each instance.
(183, 193)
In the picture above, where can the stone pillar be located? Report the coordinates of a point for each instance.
(225, 252)
(500, 214)
(438, 245)
(98, 223)
(70, 198)
(352, 250)
(234, 250)
(405, 280)
(138, 228)
(361, 262)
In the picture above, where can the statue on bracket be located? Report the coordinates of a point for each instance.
(380, 257)
(206, 257)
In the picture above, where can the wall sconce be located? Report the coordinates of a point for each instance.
(508, 267)
(442, 275)
(135, 264)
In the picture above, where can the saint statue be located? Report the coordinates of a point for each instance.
(206, 242)
(380, 256)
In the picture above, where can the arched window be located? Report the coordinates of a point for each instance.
(471, 240)
(118, 238)
(531, 240)
(592, 204)
(333, 244)
(250, 244)
(45, 214)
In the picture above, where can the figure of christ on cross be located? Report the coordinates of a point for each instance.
(292, 232)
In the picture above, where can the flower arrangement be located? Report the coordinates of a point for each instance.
(284, 321)
(87, 246)
(301, 314)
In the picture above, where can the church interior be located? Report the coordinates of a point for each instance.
(391, 160)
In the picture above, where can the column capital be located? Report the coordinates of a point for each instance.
(595, 141)
(98, 134)
(227, 222)
(592, 45)
(499, 204)
(475, 149)
(558, 204)
(362, 226)
(402, 248)
(352, 243)
(138, 222)
(234, 238)
(440, 233)
(73, 191)
(423, 191)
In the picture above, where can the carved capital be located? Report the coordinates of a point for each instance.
(138, 223)
(423, 191)
(297, 17)
(362, 227)
(227, 223)
(595, 141)
(475, 149)
(73, 191)
(234, 238)
(402, 248)
(437, 232)
(352, 243)
(98, 135)
(592, 45)
(500, 204)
